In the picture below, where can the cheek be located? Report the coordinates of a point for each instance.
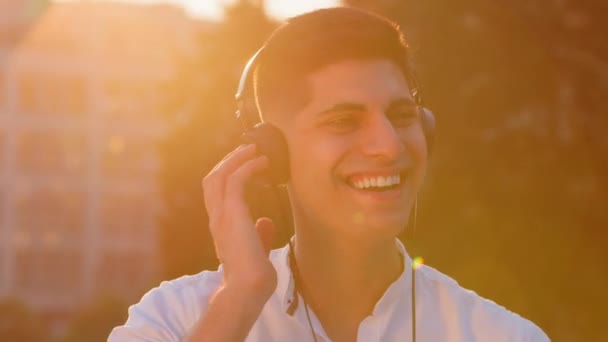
(416, 149)
(313, 162)
(310, 182)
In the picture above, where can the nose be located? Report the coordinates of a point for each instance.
(381, 139)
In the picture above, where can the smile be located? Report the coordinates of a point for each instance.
(375, 182)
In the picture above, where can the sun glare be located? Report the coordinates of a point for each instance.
(288, 8)
(212, 9)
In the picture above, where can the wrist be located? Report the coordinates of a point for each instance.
(247, 301)
(256, 285)
(231, 312)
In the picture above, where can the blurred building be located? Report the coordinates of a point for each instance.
(82, 90)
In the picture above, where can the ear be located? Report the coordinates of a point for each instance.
(428, 126)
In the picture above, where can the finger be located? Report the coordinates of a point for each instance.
(212, 199)
(266, 232)
(235, 184)
(231, 153)
(214, 183)
(236, 221)
(235, 157)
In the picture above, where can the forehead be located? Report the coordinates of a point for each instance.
(366, 81)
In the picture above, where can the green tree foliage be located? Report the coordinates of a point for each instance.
(206, 129)
(514, 205)
(94, 321)
(18, 323)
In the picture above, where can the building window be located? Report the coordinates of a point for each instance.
(50, 217)
(48, 271)
(125, 273)
(45, 153)
(141, 100)
(129, 218)
(128, 157)
(45, 93)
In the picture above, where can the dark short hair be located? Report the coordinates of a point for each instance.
(308, 42)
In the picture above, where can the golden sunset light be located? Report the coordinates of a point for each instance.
(212, 9)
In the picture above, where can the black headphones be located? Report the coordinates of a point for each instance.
(270, 140)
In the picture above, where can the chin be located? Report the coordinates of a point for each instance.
(389, 227)
(381, 227)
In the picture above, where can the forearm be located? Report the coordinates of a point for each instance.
(229, 317)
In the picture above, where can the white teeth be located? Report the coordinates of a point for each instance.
(395, 179)
(377, 182)
(382, 181)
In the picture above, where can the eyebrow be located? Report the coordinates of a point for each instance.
(358, 107)
(345, 107)
(402, 102)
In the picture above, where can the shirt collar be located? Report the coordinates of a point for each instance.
(290, 300)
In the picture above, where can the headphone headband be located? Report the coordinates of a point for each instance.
(245, 85)
(246, 75)
(247, 111)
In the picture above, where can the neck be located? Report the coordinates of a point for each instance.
(343, 278)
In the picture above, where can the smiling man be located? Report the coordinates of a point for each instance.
(337, 85)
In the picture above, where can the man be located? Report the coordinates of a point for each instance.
(337, 84)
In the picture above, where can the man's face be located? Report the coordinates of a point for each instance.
(357, 151)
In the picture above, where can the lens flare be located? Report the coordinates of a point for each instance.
(417, 262)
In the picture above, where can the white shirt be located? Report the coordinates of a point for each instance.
(444, 311)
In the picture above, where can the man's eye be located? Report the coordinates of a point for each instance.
(343, 122)
(403, 117)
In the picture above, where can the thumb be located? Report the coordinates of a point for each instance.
(266, 229)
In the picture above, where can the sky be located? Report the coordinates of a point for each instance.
(213, 8)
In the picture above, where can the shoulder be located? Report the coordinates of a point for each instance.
(477, 316)
(167, 312)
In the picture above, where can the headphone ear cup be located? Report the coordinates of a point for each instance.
(428, 126)
(271, 143)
